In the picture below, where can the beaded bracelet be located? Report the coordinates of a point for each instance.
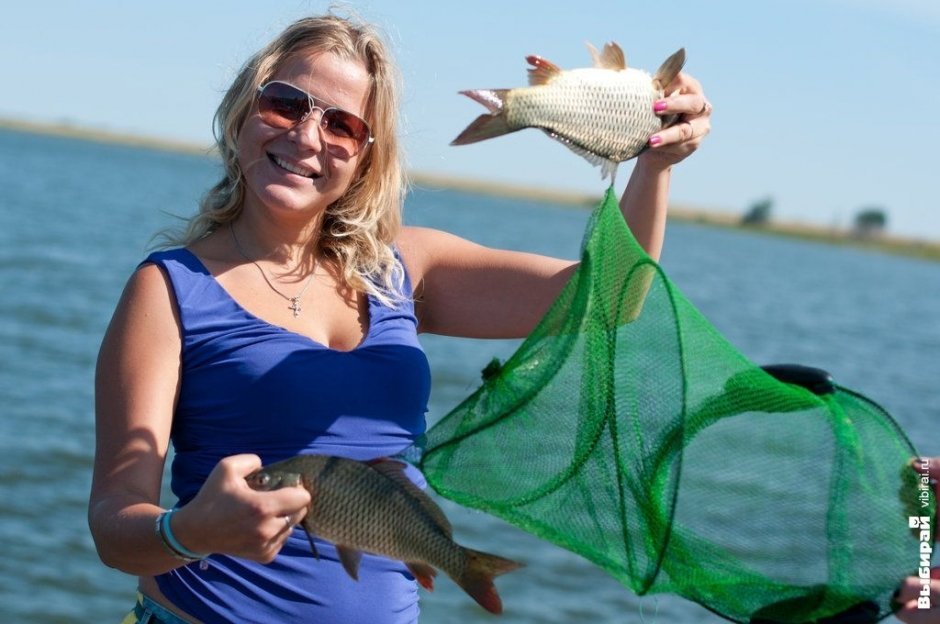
(170, 543)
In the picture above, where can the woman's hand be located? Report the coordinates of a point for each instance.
(910, 590)
(673, 144)
(227, 516)
(909, 611)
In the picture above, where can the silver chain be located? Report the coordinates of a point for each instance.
(294, 301)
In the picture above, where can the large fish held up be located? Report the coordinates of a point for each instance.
(374, 507)
(603, 113)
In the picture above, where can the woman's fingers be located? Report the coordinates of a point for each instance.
(681, 132)
(692, 111)
(907, 597)
(227, 516)
(688, 105)
(239, 465)
(286, 501)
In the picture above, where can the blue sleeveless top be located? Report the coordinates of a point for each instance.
(252, 387)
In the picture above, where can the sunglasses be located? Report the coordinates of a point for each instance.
(282, 105)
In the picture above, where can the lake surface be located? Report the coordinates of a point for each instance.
(76, 217)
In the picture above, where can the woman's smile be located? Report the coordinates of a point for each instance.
(295, 168)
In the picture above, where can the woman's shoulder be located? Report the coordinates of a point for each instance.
(162, 256)
(409, 246)
(419, 248)
(423, 247)
(424, 242)
(411, 236)
(148, 293)
(195, 256)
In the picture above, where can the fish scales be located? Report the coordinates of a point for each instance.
(607, 113)
(603, 113)
(373, 507)
(383, 518)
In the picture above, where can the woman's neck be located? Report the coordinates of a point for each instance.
(291, 246)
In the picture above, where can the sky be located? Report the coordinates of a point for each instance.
(826, 107)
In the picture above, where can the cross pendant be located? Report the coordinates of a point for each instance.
(294, 306)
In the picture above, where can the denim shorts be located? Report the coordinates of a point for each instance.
(146, 611)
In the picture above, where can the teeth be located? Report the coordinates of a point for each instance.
(283, 164)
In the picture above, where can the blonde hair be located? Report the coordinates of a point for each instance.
(358, 228)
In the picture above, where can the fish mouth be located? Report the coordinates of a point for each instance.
(282, 163)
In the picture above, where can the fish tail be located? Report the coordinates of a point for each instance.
(477, 579)
(488, 125)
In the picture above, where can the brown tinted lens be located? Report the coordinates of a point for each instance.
(282, 105)
(345, 128)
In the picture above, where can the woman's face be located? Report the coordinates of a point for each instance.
(293, 172)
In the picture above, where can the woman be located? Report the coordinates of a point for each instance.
(287, 323)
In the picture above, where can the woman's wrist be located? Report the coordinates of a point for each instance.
(651, 163)
(169, 540)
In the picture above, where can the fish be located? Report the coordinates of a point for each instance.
(373, 507)
(603, 113)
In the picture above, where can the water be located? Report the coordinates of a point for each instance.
(76, 217)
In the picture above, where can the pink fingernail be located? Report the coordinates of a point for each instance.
(660, 106)
(655, 140)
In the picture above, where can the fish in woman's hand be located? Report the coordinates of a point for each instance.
(603, 113)
(373, 507)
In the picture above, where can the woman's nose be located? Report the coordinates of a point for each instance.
(308, 133)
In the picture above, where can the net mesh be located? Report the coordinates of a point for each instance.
(628, 430)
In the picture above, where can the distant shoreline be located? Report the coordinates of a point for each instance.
(923, 249)
(71, 131)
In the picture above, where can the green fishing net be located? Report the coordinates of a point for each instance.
(628, 430)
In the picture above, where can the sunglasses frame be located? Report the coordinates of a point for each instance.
(313, 106)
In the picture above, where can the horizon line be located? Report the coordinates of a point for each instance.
(916, 247)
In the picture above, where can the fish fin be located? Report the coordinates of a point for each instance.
(477, 579)
(492, 99)
(350, 558)
(595, 55)
(609, 170)
(423, 573)
(484, 127)
(313, 547)
(543, 71)
(668, 120)
(395, 470)
(668, 71)
(611, 58)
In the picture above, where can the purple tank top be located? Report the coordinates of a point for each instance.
(251, 387)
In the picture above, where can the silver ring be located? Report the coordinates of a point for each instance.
(288, 522)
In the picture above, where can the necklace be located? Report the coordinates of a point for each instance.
(294, 301)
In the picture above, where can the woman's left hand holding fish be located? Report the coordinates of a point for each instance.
(673, 144)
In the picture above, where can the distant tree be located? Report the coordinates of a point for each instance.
(870, 222)
(759, 212)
